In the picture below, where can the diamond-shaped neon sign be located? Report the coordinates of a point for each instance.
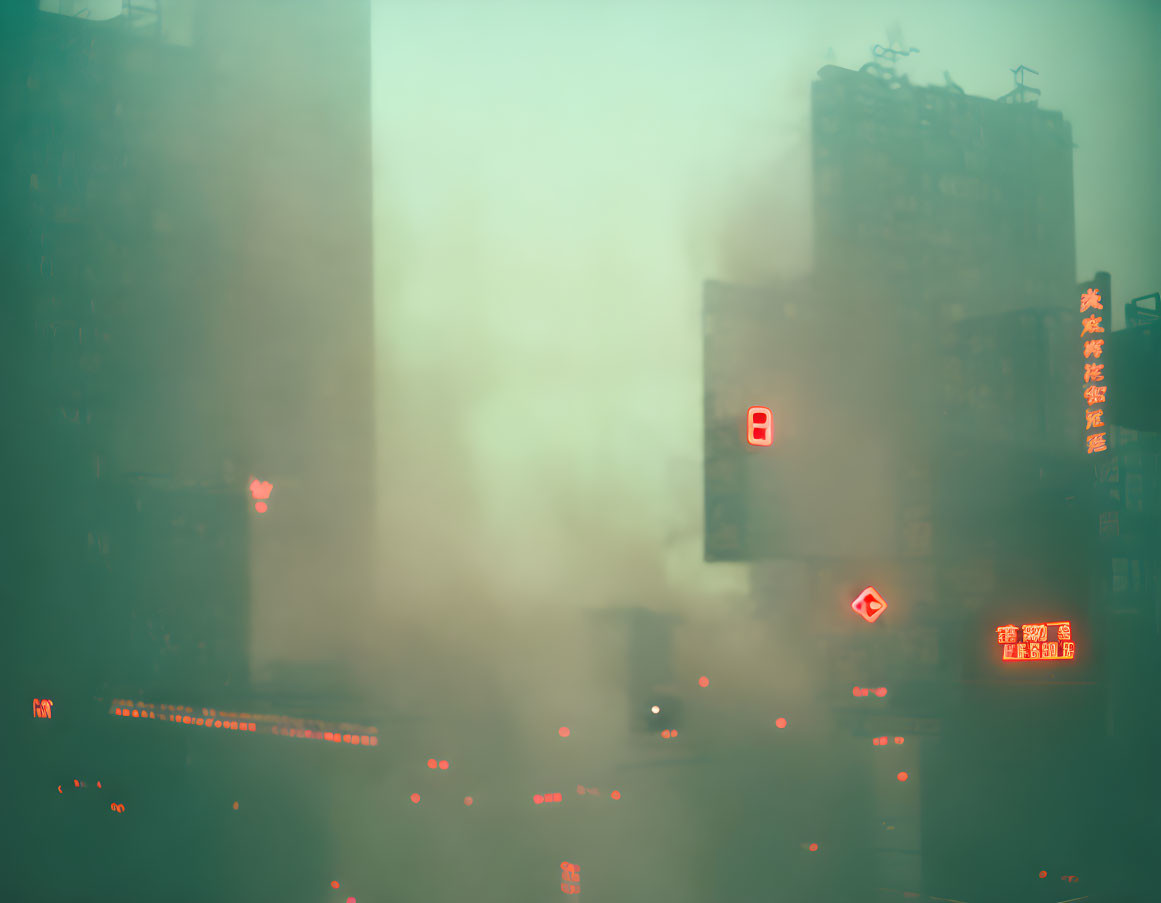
(869, 604)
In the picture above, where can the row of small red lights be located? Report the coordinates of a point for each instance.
(537, 798)
(415, 798)
(145, 708)
(883, 741)
(300, 733)
(335, 886)
(442, 764)
(867, 691)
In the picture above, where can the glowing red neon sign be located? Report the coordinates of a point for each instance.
(569, 878)
(759, 426)
(869, 604)
(1094, 394)
(260, 491)
(42, 708)
(1030, 642)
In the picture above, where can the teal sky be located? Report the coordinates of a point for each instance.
(554, 180)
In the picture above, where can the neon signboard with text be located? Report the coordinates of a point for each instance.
(1094, 395)
(1031, 642)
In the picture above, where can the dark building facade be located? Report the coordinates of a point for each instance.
(930, 440)
(187, 303)
(951, 204)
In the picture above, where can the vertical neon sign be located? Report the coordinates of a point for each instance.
(1094, 395)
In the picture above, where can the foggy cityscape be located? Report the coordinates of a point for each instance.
(694, 452)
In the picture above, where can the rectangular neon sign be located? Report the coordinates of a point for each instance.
(1095, 395)
(1031, 642)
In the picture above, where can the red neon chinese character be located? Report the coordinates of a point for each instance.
(1006, 634)
(1091, 324)
(1096, 442)
(1049, 651)
(1034, 650)
(1092, 419)
(1095, 394)
(1009, 651)
(1067, 650)
(1093, 347)
(1090, 299)
(1094, 373)
(1021, 650)
(42, 708)
(1035, 633)
(1064, 631)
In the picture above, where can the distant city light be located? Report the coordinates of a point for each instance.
(431, 763)
(350, 900)
(443, 765)
(813, 848)
(335, 885)
(703, 681)
(260, 507)
(42, 708)
(759, 426)
(415, 797)
(468, 801)
(655, 709)
(899, 741)
(537, 798)
(881, 692)
(869, 605)
(564, 732)
(1043, 874)
(616, 794)
(117, 807)
(235, 805)
(901, 776)
(780, 722)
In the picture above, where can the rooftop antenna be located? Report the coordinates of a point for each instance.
(1019, 94)
(883, 64)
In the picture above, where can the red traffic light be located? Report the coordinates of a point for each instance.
(869, 604)
(759, 426)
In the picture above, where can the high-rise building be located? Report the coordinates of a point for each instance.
(937, 202)
(185, 224)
